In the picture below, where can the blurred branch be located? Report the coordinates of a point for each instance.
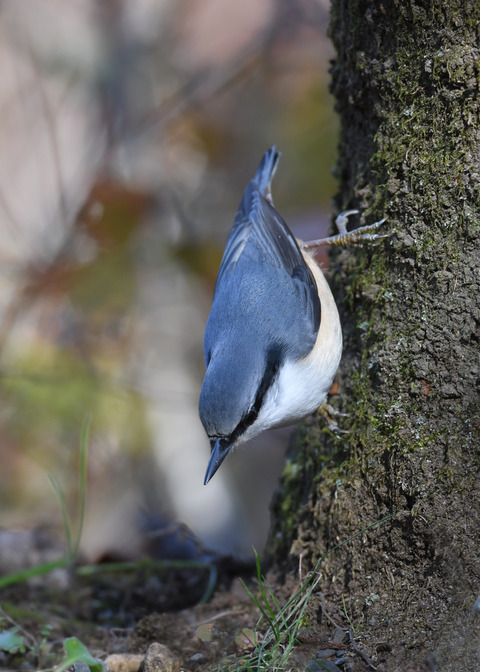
(206, 84)
(51, 133)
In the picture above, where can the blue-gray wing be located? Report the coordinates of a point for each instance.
(263, 266)
(257, 221)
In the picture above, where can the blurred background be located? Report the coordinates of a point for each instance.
(128, 133)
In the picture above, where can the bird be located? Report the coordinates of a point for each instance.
(273, 339)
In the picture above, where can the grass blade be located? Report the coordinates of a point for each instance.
(82, 483)
(67, 522)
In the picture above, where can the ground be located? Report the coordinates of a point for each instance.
(117, 614)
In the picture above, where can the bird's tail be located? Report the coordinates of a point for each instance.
(266, 171)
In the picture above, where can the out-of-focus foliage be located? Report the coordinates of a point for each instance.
(75, 362)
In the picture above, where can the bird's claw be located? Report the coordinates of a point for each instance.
(355, 238)
(329, 414)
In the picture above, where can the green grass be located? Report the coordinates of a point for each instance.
(283, 623)
(72, 525)
(73, 528)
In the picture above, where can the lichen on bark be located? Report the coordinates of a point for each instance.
(406, 79)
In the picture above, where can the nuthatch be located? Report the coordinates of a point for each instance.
(273, 340)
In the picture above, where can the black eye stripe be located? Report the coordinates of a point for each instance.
(272, 365)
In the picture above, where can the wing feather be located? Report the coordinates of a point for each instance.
(263, 264)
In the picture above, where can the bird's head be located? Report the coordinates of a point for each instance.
(237, 383)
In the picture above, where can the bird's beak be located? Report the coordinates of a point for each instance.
(220, 450)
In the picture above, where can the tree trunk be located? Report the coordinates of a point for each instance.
(406, 81)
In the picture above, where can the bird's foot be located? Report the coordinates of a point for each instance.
(329, 414)
(355, 238)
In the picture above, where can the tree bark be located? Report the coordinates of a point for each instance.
(406, 82)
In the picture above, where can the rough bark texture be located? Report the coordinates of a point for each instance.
(406, 80)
